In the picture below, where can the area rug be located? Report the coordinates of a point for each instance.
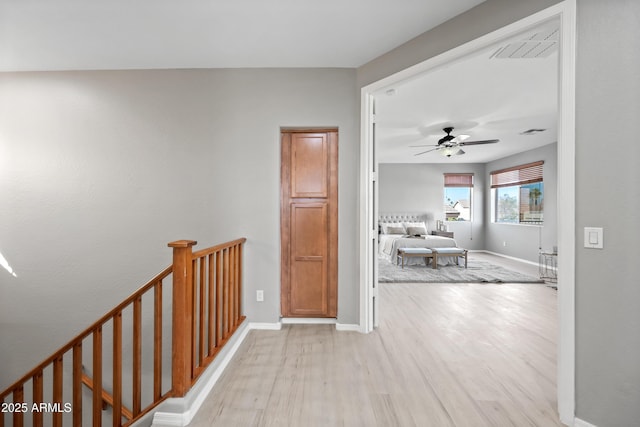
(476, 272)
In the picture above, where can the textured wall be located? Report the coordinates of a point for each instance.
(608, 195)
(100, 170)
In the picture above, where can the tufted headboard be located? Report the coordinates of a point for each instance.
(406, 217)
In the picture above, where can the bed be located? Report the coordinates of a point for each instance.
(409, 231)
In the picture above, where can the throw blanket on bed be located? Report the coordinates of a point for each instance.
(388, 245)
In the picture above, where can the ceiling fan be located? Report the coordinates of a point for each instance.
(450, 145)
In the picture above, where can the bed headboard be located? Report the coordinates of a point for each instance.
(402, 217)
(426, 217)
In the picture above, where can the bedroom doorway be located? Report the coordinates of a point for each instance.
(309, 223)
(565, 12)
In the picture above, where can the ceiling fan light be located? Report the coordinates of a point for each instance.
(460, 152)
(448, 151)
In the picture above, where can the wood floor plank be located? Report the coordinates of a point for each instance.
(445, 355)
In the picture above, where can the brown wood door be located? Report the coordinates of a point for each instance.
(309, 223)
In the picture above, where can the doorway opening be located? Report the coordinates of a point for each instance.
(565, 13)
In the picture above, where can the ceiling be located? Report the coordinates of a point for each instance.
(38, 35)
(497, 93)
(483, 97)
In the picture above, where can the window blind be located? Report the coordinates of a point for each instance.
(517, 175)
(458, 180)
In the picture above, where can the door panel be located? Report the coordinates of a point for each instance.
(309, 296)
(309, 230)
(309, 171)
(309, 250)
(309, 233)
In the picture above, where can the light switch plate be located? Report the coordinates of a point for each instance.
(593, 237)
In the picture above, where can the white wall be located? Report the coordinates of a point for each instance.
(100, 170)
(608, 196)
(419, 187)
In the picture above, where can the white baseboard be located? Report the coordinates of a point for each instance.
(308, 321)
(577, 422)
(266, 326)
(168, 419)
(347, 327)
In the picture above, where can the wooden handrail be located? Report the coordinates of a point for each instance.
(206, 311)
(218, 248)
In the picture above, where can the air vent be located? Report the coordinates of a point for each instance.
(538, 44)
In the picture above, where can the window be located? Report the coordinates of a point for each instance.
(518, 194)
(457, 196)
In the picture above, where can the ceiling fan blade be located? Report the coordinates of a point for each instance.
(486, 141)
(428, 151)
(427, 145)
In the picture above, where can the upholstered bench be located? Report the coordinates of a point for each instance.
(453, 252)
(417, 252)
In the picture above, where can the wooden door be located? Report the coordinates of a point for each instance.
(309, 223)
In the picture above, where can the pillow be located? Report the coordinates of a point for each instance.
(414, 231)
(415, 224)
(393, 228)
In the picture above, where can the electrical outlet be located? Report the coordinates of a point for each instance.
(260, 295)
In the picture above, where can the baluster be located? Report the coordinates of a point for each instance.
(227, 302)
(203, 308)
(234, 296)
(97, 377)
(137, 355)
(157, 335)
(238, 294)
(211, 337)
(239, 266)
(117, 369)
(18, 397)
(57, 391)
(220, 302)
(77, 384)
(194, 320)
(37, 398)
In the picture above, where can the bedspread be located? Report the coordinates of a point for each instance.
(388, 245)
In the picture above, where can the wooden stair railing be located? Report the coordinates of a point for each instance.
(206, 310)
(107, 399)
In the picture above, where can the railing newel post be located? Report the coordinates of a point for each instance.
(182, 316)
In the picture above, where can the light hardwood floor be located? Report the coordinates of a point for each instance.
(444, 355)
